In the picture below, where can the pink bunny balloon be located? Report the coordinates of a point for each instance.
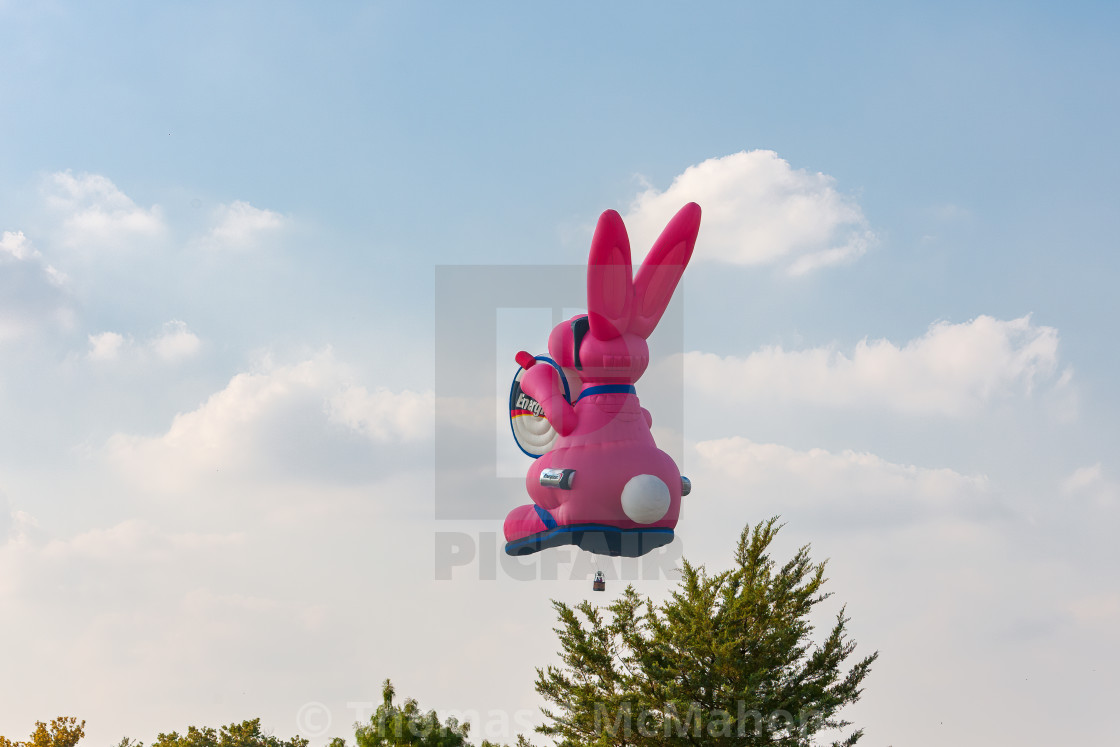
(605, 485)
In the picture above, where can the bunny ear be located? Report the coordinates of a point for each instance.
(662, 269)
(610, 288)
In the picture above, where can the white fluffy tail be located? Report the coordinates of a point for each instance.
(646, 499)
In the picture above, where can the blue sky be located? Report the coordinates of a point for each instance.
(221, 224)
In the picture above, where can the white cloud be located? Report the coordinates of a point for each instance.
(32, 291)
(7, 519)
(859, 486)
(15, 245)
(953, 369)
(383, 415)
(98, 214)
(105, 346)
(948, 212)
(175, 342)
(136, 537)
(1100, 610)
(307, 421)
(757, 210)
(230, 609)
(1090, 483)
(12, 329)
(133, 591)
(242, 226)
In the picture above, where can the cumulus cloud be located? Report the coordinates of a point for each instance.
(12, 328)
(175, 342)
(6, 518)
(136, 537)
(858, 485)
(105, 346)
(96, 214)
(239, 225)
(304, 421)
(15, 245)
(757, 210)
(229, 606)
(1100, 610)
(1091, 484)
(953, 369)
(16, 526)
(31, 289)
(884, 519)
(126, 591)
(383, 415)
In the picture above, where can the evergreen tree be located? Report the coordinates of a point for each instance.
(728, 660)
(394, 726)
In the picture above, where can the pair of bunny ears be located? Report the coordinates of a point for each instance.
(617, 301)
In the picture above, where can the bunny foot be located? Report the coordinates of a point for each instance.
(525, 521)
(530, 529)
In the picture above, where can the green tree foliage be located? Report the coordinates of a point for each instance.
(393, 726)
(728, 660)
(64, 731)
(245, 734)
